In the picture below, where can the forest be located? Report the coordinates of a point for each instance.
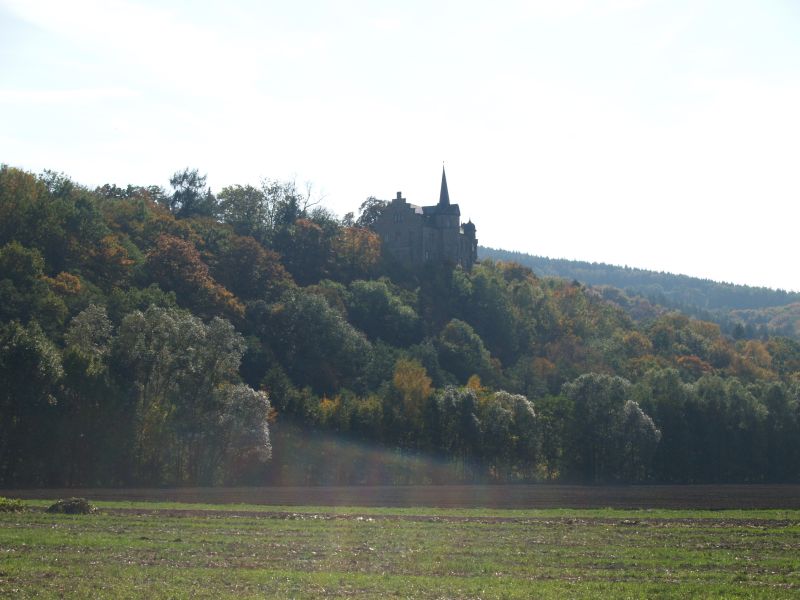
(742, 311)
(157, 337)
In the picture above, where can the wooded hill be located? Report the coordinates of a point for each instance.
(154, 337)
(741, 310)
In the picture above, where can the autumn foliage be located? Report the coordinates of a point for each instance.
(156, 337)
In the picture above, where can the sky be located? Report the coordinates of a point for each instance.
(656, 134)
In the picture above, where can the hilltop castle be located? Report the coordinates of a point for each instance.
(415, 235)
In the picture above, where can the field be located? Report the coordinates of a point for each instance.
(160, 549)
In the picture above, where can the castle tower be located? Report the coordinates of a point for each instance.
(469, 243)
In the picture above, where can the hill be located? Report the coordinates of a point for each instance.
(153, 337)
(741, 310)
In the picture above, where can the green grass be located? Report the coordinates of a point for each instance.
(542, 553)
(611, 513)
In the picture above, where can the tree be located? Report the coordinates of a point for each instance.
(249, 270)
(191, 197)
(24, 290)
(306, 249)
(175, 265)
(20, 197)
(610, 438)
(357, 252)
(497, 445)
(90, 333)
(461, 351)
(640, 438)
(178, 366)
(455, 424)
(510, 434)
(94, 419)
(783, 432)
(244, 440)
(662, 394)
(313, 342)
(489, 310)
(411, 382)
(381, 314)
(554, 420)
(246, 209)
(727, 426)
(369, 212)
(283, 205)
(30, 369)
(111, 263)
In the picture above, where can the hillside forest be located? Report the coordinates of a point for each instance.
(741, 311)
(158, 337)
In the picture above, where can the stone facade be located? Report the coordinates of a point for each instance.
(415, 235)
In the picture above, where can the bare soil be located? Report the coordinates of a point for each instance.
(679, 497)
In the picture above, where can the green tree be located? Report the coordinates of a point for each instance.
(510, 435)
(640, 439)
(30, 369)
(610, 439)
(306, 247)
(246, 209)
(314, 343)
(94, 418)
(178, 366)
(727, 431)
(191, 197)
(454, 424)
(663, 395)
(381, 314)
(489, 309)
(461, 351)
(783, 432)
(369, 212)
(24, 290)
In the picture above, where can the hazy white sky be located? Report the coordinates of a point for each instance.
(657, 134)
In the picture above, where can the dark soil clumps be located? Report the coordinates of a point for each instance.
(72, 506)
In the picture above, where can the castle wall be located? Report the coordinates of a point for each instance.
(401, 230)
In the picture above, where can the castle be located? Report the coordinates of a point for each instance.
(415, 235)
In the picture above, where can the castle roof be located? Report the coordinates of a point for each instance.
(444, 207)
(444, 195)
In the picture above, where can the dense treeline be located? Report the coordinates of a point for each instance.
(740, 310)
(151, 337)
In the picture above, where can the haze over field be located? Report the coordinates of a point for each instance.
(656, 134)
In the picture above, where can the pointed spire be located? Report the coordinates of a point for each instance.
(444, 196)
